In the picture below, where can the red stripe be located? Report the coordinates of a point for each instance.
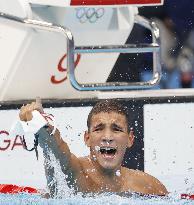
(113, 2)
(187, 196)
(14, 189)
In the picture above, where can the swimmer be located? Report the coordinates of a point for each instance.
(108, 136)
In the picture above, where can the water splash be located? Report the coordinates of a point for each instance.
(58, 182)
(108, 198)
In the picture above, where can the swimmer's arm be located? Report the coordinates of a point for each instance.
(68, 161)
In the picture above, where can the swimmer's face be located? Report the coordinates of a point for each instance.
(108, 137)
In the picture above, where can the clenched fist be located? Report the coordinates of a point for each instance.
(26, 110)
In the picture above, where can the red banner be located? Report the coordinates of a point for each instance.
(14, 189)
(114, 2)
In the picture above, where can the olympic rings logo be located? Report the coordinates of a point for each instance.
(89, 14)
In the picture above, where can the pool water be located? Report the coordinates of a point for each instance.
(65, 196)
(105, 199)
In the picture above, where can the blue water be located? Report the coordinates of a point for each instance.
(106, 199)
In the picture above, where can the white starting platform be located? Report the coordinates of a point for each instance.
(54, 48)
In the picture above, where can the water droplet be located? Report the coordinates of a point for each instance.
(118, 173)
(97, 148)
(94, 157)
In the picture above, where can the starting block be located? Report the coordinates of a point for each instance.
(38, 61)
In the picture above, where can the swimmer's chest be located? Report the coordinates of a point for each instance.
(89, 181)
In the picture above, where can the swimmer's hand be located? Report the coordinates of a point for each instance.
(26, 110)
(32, 118)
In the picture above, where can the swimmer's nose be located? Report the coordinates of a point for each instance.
(106, 141)
(107, 138)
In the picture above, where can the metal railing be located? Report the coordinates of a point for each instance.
(154, 47)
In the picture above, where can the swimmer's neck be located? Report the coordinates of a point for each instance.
(113, 174)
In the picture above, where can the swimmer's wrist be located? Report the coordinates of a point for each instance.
(50, 129)
(35, 124)
(38, 121)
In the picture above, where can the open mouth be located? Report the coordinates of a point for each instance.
(110, 151)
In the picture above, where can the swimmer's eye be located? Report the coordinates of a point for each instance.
(116, 128)
(98, 128)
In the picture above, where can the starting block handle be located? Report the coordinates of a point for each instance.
(154, 47)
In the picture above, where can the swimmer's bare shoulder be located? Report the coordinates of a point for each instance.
(132, 180)
(144, 183)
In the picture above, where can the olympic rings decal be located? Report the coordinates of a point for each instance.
(89, 14)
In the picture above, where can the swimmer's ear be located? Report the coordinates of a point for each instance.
(87, 138)
(131, 139)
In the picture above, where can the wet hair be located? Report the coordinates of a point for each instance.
(109, 105)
